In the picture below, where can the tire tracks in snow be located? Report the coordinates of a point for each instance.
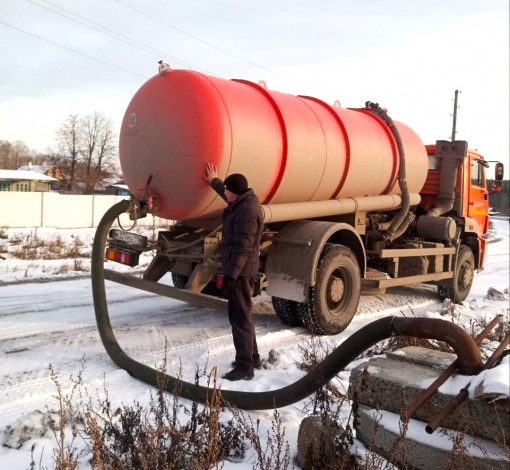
(63, 330)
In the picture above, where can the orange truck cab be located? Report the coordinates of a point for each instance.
(471, 205)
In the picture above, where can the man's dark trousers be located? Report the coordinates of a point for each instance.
(240, 316)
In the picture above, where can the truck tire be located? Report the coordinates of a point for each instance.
(302, 309)
(287, 311)
(211, 289)
(458, 288)
(333, 301)
(369, 284)
(179, 280)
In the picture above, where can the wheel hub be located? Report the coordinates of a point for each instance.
(336, 289)
(466, 276)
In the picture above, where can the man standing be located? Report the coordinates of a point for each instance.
(243, 225)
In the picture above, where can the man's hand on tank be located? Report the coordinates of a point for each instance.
(211, 172)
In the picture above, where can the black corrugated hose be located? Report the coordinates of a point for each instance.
(401, 221)
(351, 348)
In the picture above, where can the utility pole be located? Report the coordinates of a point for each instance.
(454, 128)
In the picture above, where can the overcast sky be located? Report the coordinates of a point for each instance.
(408, 55)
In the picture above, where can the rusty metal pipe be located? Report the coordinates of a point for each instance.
(448, 410)
(464, 392)
(446, 374)
(469, 357)
(497, 353)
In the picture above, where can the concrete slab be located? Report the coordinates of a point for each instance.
(423, 357)
(395, 380)
(423, 451)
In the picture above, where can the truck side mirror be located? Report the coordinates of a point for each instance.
(500, 171)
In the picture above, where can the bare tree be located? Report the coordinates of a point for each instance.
(14, 155)
(5, 155)
(69, 141)
(99, 149)
(87, 151)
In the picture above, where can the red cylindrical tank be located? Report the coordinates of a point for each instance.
(291, 149)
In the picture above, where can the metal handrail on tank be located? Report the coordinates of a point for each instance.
(468, 355)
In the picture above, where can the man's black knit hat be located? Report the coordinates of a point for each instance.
(236, 183)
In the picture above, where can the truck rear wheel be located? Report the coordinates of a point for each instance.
(333, 301)
(287, 311)
(179, 280)
(458, 288)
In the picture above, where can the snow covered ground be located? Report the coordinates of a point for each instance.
(52, 322)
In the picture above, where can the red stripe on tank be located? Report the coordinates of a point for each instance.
(331, 109)
(231, 137)
(279, 115)
(394, 148)
(303, 99)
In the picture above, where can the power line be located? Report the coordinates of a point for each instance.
(72, 50)
(126, 39)
(198, 39)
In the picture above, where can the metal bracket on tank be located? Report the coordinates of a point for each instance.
(144, 204)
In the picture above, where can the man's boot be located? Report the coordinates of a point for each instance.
(239, 374)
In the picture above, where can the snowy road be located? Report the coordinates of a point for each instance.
(54, 323)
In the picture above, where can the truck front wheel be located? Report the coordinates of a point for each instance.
(334, 299)
(458, 288)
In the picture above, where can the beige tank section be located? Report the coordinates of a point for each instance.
(292, 149)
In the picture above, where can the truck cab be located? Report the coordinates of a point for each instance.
(471, 206)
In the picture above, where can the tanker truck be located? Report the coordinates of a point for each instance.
(353, 201)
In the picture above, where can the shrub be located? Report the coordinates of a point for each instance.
(78, 265)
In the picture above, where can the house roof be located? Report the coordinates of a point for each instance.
(120, 186)
(19, 175)
(37, 168)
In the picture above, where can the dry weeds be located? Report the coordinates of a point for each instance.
(152, 437)
(32, 246)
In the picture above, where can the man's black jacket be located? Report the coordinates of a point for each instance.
(243, 225)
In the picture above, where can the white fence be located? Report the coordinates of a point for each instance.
(19, 209)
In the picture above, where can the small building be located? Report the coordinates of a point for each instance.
(118, 190)
(25, 181)
(48, 170)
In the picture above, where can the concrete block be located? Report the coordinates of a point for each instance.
(430, 358)
(395, 380)
(494, 294)
(421, 450)
(317, 438)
